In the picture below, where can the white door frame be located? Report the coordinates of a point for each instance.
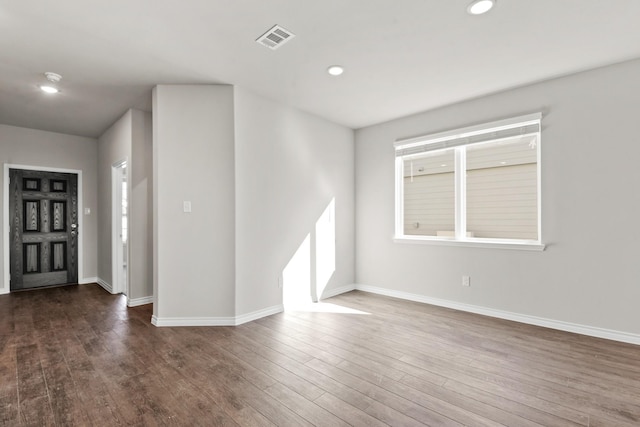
(5, 226)
(120, 281)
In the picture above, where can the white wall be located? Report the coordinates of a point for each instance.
(193, 160)
(289, 166)
(589, 273)
(54, 150)
(141, 207)
(114, 146)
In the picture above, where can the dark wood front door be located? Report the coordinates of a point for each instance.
(43, 215)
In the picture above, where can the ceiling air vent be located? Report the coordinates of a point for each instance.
(275, 37)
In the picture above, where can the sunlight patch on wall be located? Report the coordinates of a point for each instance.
(296, 276)
(325, 247)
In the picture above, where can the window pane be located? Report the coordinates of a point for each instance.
(502, 189)
(429, 194)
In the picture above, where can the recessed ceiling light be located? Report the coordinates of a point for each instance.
(335, 70)
(53, 78)
(478, 7)
(49, 89)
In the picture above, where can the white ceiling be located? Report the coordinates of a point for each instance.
(401, 56)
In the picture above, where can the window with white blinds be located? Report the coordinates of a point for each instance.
(477, 184)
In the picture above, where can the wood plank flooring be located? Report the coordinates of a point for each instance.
(78, 356)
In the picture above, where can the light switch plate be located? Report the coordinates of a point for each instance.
(186, 206)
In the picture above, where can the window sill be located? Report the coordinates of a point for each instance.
(473, 243)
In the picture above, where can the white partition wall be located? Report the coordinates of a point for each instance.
(194, 205)
(294, 195)
(240, 182)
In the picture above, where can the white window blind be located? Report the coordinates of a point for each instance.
(517, 126)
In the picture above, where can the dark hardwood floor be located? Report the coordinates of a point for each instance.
(78, 356)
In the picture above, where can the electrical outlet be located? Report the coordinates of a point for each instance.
(466, 281)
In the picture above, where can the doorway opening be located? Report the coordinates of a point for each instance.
(120, 227)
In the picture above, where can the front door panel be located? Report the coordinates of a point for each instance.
(43, 215)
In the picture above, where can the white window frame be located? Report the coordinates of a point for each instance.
(456, 139)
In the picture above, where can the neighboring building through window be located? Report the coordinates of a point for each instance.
(477, 184)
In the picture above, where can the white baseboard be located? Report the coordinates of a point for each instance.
(107, 286)
(134, 302)
(193, 321)
(507, 315)
(216, 321)
(4, 291)
(255, 315)
(337, 291)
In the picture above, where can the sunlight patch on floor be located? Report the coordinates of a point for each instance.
(323, 307)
